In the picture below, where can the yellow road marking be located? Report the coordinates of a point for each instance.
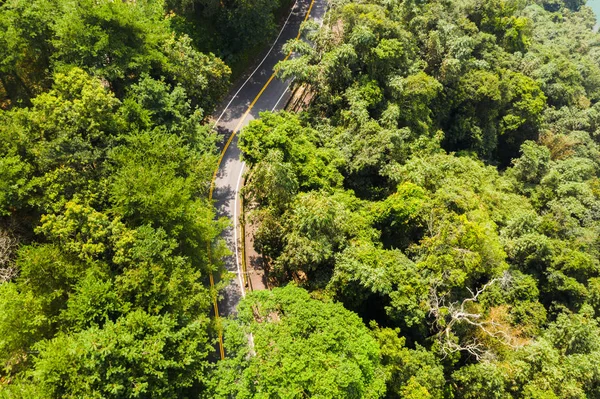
(216, 306)
(222, 155)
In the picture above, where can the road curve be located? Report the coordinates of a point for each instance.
(262, 91)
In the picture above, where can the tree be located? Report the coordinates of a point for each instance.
(367, 278)
(464, 316)
(315, 167)
(300, 346)
(446, 144)
(410, 373)
(210, 79)
(25, 49)
(247, 22)
(315, 228)
(533, 163)
(551, 367)
(118, 42)
(165, 191)
(22, 323)
(273, 183)
(58, 145)
(115, 40)
(402, 216)
(137, 355)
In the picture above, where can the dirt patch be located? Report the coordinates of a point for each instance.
(253, 262)
(301, 99)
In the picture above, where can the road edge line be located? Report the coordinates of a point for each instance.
(259, 65)
(235, 131)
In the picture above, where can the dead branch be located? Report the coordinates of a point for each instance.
(448, 316)
(8, 245)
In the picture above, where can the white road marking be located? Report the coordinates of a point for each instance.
(237, 189)
(258, 67)
(235, 230)
(288, 86)
(235, 219)
(280, 98)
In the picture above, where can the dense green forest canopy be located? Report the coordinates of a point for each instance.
(432, 217)
(443, 184)
(107, 237)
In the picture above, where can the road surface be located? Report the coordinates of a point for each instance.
(262, 91)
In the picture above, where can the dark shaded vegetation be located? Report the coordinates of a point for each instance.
(234, 30)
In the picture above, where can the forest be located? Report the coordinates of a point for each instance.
(429, 220)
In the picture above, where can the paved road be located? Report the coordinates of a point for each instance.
(260, 92)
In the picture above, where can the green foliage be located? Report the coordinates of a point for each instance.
(22, 323)
(117, 41)
(106, 172)
(410, 373)
(81, 231)
(56, 146)
(138, 355)
(13, 178)
(558, 365)
(465, 135)
(533, 163)
(402, 215)
(210, 78)
(482, 73)
(303, 347)
(314, 167)
(25, 48)
(443, 183)
(139, 192)
(92, 301)
(248, 22)
(235, 30)
(365, 272)
(157, 278)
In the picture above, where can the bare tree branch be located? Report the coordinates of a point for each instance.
(448, 315)
(8, 245)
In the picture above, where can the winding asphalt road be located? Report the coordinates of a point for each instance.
(262, 91)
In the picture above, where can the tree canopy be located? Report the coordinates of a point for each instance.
(429, 221)
(301, 347)
(442, 184)
(107, 234)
